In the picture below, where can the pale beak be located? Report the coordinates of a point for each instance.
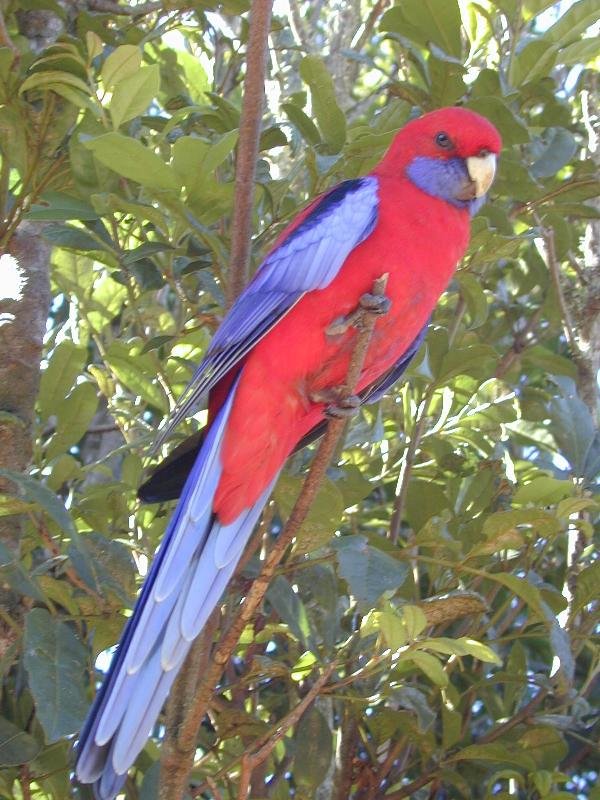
(482, 170)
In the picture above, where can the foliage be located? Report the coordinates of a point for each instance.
(465, 652)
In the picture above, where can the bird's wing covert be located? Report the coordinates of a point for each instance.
(308, 258)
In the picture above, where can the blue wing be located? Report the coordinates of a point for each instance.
(309, 258)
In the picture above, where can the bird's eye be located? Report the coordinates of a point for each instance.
(443, 140)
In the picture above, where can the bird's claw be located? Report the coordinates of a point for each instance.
(344, 408)
(368, 304)
(375, 303)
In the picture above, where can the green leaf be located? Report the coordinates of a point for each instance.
(129, 158)
(559, 150)
(330, 118)
(196, 79)
(475, 297)
(553, 363)
(219, 150)
(393, 629)
(446, 80)
(291, 610)
(414, 620)
(424, 500)
(544, 745)
(75, 414)
(587, 588)
(56, 662)
(313, 749)
(323, 516)
(451, 727)
(48, 79)
(138, 373)
(132, 95)
(512, 129)
(120, 64)
(14, 575)
(65, 364)
(474, 360)
(543, 490)
(523, 589)
(416, 701)
(58, 206)
(35, 492)
(573, 22)
(16, 746)
(581, 52)
(194, 159)
(105, 302)
(495, 753)
(429, 665)
(72, 237)
(535, 59)
(106, 566)
(306, 127)
(435, 21)
(462, 646)
(573, 430)
(368, 571)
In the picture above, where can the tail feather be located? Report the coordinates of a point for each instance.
(188, 576)
(109, 785)
(211, 577)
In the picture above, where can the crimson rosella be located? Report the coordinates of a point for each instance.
(269, 370)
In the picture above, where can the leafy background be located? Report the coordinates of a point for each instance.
(446, 575)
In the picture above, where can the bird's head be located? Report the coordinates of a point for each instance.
(450, 154)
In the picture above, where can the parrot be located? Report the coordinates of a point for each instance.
(270, 373)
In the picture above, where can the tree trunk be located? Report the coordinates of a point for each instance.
(24, 302)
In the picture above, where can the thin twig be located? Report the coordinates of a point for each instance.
(6, 41)
(407, 466)
(418, 431)
(252, 760)
(522, 715)
(25, 781)
(247, 151)
(210, 675)
(521, 341)
(111, 7)
(554, 268)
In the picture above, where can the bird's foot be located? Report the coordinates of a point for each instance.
(368, 304)
(375, 303)
(337, 405)
(345, 408)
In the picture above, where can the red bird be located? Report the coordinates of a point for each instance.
(271, 367)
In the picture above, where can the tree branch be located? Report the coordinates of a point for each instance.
(251, 760)
(247, 151)
(173, 784)
(112, 7)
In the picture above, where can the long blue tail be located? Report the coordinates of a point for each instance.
(195, 561)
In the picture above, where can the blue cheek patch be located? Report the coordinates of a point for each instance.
(443, 178)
